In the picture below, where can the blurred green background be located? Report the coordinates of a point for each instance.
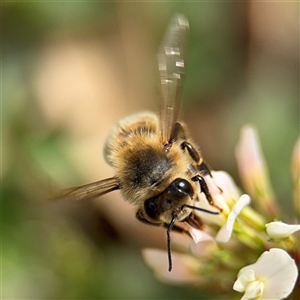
(70, 70)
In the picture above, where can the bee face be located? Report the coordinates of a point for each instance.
(157, 165)
(170, 203)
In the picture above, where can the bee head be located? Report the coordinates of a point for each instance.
(172, 205)
(161, 208)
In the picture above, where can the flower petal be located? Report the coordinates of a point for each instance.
(225, 232)
(280, 230)
(253, 171)
(296, 176)
(204, 216)
(184, 266)
(199, 235)
(254, 290)
(277, 270)
(204, 250)
(224, 193)
(229, 189)
(243, 280)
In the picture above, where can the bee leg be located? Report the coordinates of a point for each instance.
(204, 188)
(204, 169)
(191, 150)
(179, 134)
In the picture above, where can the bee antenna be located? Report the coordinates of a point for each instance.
(202, 209)
(170, 226)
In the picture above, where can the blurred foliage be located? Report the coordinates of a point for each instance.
(46, 253)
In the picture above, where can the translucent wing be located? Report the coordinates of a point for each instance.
(171, 69)
(91, 190)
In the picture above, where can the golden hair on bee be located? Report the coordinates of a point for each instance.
(158, 168)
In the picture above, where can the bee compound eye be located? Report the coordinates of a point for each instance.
(183, 186)
(151, 207)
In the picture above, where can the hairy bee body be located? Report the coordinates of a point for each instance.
(143, 165)
(158, 168)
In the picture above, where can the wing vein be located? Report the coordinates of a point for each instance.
(171, 68)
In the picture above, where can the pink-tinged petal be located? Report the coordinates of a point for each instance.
(296, 160)
(224, 193)
(204, 250)
(205, 217)
(277, 271)
(225, 232)
(230, 192)
(184, 270)
(296, 176)
(215, 192)
(199, 235)
(253, 171)
(280, 230)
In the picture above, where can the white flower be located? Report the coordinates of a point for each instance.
(280, 230)
(273, 276)
(225, 232)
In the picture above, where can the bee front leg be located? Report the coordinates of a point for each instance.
(204, 188)
(179, 134)
(191, 150)
(204, 169)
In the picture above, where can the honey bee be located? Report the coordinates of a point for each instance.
(158, 167)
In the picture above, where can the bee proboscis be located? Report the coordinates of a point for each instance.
(158, 167)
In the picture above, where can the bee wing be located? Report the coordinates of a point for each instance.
(91, 190)
(171, 69)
